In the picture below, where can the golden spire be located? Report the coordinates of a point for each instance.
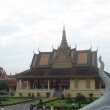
(64, 41)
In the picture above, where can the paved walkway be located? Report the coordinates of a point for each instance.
(23, 106)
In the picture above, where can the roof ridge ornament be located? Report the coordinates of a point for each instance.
(90, 47)
(39, 49)
(75, 45)
(97, 48)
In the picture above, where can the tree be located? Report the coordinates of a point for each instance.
(4, 86)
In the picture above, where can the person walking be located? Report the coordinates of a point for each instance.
(52, 108)
(73, 106)
(31, 107)
(58, 106)
(44, 107)
(35, 108)
(62, 106)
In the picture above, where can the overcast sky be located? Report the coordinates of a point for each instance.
(26, 25)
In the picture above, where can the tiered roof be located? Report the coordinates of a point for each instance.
(77, 57)
(62, 62)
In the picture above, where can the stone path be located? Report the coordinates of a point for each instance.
(24, 106)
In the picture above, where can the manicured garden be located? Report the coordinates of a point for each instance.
(79, 101)
(64, 102)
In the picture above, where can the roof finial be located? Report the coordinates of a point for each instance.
(64, 41)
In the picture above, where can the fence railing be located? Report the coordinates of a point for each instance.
(85, 90)
(36, 90)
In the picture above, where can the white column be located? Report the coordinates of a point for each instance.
(33, 85)
(20, 84)
(17, 87)
(27, 85)
(71, 84)
(48, 85)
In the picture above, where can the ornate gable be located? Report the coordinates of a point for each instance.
(62, 60)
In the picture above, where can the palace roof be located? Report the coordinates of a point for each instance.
(74, 72)
(64, 52)
(63, 62)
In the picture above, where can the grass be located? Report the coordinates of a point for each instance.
(13, 101)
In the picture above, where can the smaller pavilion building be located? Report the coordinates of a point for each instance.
(9, 80)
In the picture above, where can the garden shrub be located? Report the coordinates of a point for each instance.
(62, 96)
(0, 101)
(79, 104)
(29, 94)
(69, 98)
(20, 94)
(91, 97)
(38, 95)
(32, 96)
(48, 94)
(80, 98)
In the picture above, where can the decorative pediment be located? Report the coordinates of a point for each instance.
(62, 60)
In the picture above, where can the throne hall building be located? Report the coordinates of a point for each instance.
(65, 69)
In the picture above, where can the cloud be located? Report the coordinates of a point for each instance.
(7, 30)
(38, 23)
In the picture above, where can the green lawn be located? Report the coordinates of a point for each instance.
(12, 101)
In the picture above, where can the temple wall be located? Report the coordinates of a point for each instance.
(92, 84)
(71, 84)
(82, 84)
(25, 86)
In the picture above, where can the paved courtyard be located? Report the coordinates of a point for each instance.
(24, 106)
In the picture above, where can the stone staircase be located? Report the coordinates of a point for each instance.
(57, 94)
